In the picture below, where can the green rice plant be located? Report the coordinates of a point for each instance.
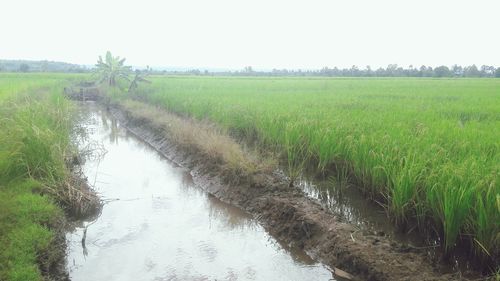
(427, 148)
(296, 153)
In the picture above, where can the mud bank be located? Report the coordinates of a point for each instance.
(290, 216)
(78, 201)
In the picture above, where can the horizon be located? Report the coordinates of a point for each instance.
(214, 69)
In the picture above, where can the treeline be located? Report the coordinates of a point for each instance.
(392, 70)
(40, 66)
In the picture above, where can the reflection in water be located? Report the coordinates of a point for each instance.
(345, 201)
(111, 126)
(158, 225)
(337, 199)
(232, 217)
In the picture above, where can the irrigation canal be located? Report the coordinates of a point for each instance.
(157, 224)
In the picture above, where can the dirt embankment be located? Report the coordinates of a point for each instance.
(285, 212)
(79, 201)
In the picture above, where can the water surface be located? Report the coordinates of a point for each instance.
(158, 225)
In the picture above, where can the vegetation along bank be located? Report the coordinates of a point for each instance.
(37, 185)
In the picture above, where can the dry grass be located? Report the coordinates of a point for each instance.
(205, 138)
(76, 197)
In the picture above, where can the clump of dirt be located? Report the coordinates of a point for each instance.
(289, 215)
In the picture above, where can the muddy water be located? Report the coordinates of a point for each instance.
(157, 225)
(346, 201)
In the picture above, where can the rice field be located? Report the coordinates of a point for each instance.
(429, 149)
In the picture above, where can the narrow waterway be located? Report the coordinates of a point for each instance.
(157, 225)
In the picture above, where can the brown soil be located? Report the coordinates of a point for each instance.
(292, 217)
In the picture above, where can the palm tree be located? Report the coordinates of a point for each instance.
(111, 69)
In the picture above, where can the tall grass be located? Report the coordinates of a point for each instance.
(428, 147)
(35, 123)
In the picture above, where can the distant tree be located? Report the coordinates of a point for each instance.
(248, 69)
(195, 71)
(471, 71)
(442, 71)
(426, 71)
(368, 71)
(413, 72)
(380, 72)
(392, 70)
(487, 71)
(24, 67)
(355, 71)
(111, 69)
(430, 71)
(401, 72)
(497, 72)
(421, 71)
(44, 66)
(457, 70)
(325, 71)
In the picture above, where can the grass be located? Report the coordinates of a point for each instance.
(35, 124)
(428, 148)
(204, 138)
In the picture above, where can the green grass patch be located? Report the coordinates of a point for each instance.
(35, 124)
(25, 219)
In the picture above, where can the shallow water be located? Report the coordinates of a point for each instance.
(157, 225)
(349, 205)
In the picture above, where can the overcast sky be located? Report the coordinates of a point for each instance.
(265, 34)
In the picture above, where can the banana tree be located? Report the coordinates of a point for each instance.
(111, 69)
(140, 76)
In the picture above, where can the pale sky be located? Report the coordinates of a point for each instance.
(264, 34)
